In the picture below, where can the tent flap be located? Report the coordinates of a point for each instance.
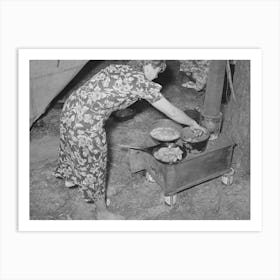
(47, 79)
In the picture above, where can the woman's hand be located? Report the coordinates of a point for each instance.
(178, 115)
(197, 129)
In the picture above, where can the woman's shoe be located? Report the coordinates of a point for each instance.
(69, 184)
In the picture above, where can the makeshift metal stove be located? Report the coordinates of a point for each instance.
(198, 166)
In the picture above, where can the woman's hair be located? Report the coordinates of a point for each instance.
(139, 64)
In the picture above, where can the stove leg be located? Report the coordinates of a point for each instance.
(227, 178)
(149, 177)
(170, 200)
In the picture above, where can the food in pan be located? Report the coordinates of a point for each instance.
(193, 137)
(169, 154)
(165, 133)
(192, 140)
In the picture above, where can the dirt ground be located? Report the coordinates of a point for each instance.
(131, 195)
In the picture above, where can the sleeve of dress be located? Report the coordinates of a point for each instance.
(145, 89)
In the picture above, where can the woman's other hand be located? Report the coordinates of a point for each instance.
(178, 115)
(197, 129)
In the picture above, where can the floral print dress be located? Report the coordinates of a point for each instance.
(197, 70)
(83, 148)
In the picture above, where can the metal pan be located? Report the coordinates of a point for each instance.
(194, 143)
(167, 124)
(152, 150)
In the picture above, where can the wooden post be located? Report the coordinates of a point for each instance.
(237, 116)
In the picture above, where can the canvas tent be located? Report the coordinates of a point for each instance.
(47, 79)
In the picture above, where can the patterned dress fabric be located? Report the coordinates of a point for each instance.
(83, 148)
(197, 70)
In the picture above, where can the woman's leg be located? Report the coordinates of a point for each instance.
(94, 184)
(95, 193)
(102, 213)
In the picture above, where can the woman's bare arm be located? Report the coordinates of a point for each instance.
(177, 115)
(173, 112)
